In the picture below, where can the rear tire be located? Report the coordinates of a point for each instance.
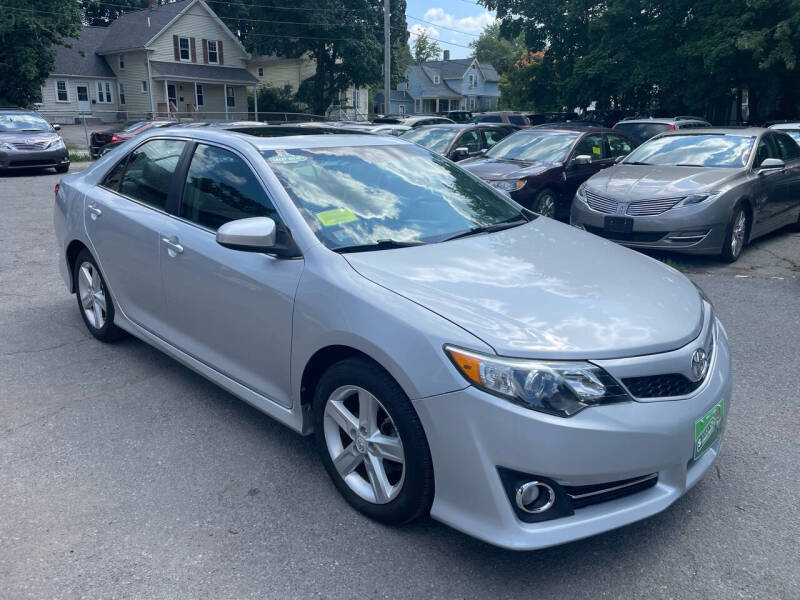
(94, 301)
(372, 443)
(736, 234)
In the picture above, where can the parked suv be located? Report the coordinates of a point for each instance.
(708, 191)
(644, 128)
(27, 141)
(458, 142)
(541, 168)
(503, 116)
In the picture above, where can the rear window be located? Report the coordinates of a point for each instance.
(642, 131)
(518, 120)
(488, 119)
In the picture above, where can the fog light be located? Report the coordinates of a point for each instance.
(535, 497)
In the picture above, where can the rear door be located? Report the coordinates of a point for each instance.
(790, 196)
(772, 187)
(124, 216)
(230, 309)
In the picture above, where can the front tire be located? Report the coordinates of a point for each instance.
(372, 443)
(735, 234)
(546, 203)
(94, 301)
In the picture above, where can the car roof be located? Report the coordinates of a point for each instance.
(666, 120)
(744, 131)
(574, 127)
(465, 126)
(787, 125)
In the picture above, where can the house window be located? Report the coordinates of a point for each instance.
(435, 79)
(230, 98)
(260, 71)
(62, 91)
(402, 108)
(121, 62)
(104, 92)
(183, 47)
(143, 86)
(472, 102)
(213, 55)
(121, 94)
(199, 95)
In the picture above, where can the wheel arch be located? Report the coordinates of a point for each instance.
(73, 249)
(750, 211)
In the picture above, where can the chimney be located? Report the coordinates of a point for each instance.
(446, 53)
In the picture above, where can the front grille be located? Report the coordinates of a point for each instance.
(633, 236)
(661, 386)
(31, 163)
(601, 203)
(655, 206)
(31, 146)
(586, 495)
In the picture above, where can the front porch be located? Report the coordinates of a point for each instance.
(427, 106)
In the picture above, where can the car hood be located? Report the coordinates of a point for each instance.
(637, 182)
(492, 168)
(20, 137)
(545, 290)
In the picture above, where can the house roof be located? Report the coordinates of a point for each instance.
(197, 72)
(455, 68)
(80, 59)
(136, 28)
(401, 96)
(441, 89)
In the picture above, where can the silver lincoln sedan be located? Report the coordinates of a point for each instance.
(452, 353)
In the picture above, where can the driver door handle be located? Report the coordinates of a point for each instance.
(94, 211)
(172, 246)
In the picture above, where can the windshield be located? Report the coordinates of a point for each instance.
(361, 195)
(436, 139)
(708, 150)
(543, 146)
(23, 122)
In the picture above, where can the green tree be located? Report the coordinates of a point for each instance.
(491, 47)
(425, 49)
(102, 12)
(28, 41)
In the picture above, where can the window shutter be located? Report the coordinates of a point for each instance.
(175, 47)
(204, 45)
(193, 49)
(219, 52)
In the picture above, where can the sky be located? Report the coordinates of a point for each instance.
(445, 16)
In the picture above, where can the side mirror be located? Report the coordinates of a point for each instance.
(459, 153)
(582, 159)
(619, 159)
(256, 234)
(56, 127)
(771, 164)
(484, 150)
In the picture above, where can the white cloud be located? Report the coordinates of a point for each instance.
(471, 24)
(419, 29)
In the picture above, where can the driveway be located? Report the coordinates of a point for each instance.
(125, 475)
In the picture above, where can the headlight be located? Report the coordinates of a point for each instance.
(509, 185)
(581, 193)
(560, 388)
(4, 146)
(697, 199)
(57, 144)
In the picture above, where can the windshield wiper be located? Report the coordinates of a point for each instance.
(625, 162)
(486, 229)
(688, 165)
(379, 245)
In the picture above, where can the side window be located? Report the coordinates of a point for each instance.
(493, 136)
(787, 147)
(766, 149)
(470, 140)
(590, 145)
(618, 145)
(149, 171)
(221, 187)
(113, 177)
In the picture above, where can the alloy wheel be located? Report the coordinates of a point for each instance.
(364, 444)
(739, 231)
(547, 205)
(92, 296)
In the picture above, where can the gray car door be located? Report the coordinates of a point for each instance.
(124, 215)
(790, 197)
(230, 309)
(772, 187)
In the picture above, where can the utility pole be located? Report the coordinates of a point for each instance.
(387, 59)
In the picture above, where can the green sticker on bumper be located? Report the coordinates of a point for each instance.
(707, 429)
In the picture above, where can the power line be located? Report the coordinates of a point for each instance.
(475, 35)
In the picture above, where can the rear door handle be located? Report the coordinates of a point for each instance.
(172, 247)
(94, 212)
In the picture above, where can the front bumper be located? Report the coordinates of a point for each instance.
(697, 229)
(471, 434)
(33, 159)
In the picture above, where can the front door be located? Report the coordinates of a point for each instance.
(590, 145)
(84, 104)
(172, 97)
(230, 309)
(124, 216)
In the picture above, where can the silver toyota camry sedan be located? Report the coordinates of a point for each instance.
(452, 353)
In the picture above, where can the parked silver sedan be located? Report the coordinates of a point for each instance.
(451, 352)
(708, 191)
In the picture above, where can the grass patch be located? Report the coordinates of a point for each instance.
(78, 155)
(673, 263)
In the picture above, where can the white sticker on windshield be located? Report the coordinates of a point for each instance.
(283, 157)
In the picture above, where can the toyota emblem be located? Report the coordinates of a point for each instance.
(699, 364)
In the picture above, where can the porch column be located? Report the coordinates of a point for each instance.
(255, 101)
(437, 105)
(166, 96)
(225, 98)
(196, 108)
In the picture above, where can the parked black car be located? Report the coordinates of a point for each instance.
(98, 140)
(542, 168)
(460, 141)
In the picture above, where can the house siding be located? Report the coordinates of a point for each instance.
(130, 77)
(197, 23)
(282, 72)
(67, 112)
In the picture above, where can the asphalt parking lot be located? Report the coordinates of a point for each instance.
(125, 475)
